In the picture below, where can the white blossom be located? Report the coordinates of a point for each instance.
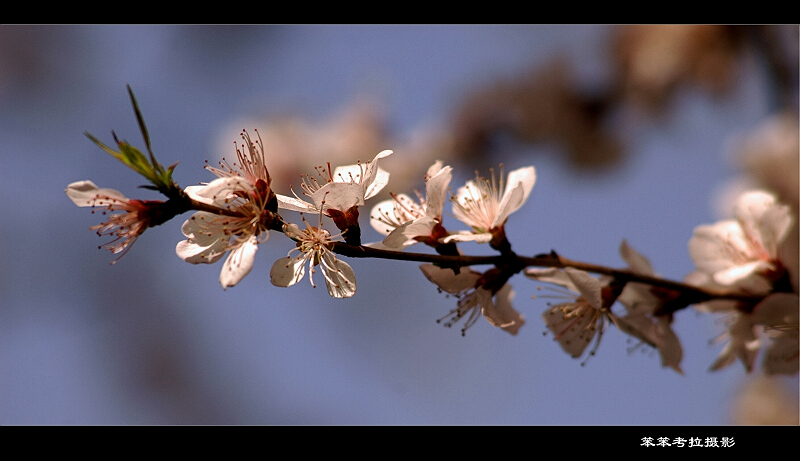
(742, 253)
(313, 251)
(405, 221)
(475, 301)
(641, 302)
(484, 204)
(242, 192)
(128, 218)
(340, 189)
(575, 323)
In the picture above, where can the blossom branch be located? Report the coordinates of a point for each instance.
(691, 294)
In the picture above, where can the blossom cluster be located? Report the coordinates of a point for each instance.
(740, 269)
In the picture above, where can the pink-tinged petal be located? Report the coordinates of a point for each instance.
(501, 313)
(86, 193)
(339, 196)
(295, 204)
(746, 277)
(636, 262)
(339, 277)
(764, 221)
(287, 271)
(447, 280)
(436, 189)
(718, 246)
(239, 263)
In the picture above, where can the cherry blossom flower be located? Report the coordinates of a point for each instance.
(128, 218)
(312, 247)
(405, 221)
(475, 300)
(576, 323)
(340, 194)
(776, 316)
(246, 202)
(340, 189)
(742, 253)
(485, 205)
(642, 302)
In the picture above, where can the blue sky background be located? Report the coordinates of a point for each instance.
(153, 340)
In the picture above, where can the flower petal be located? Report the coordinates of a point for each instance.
(287, 271)
(462, 236)
(295, 204)
(239, 263)
(86, 193)
(501, 313)
(447, 280)
(518, 188)
(339, 277)
(636, 262)
(436, 190)
(197, 254)
(339, 196)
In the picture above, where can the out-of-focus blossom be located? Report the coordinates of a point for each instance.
(297, 143)
(742, 253)
(642, 302)
(312, 247)
(128, 218)
(771, 155)
(474, 299)
(655, 59)
(485, 204)
(575, 323)
(543, 105)
(247, 204)
(406, 222)
(762, 401)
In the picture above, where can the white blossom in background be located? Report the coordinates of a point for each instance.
(484, 204)
(741, 253)
(475, 301)
(641, 302)
(243, 191)
(313, 251)
(340, 189)
(405, 221)
(575, 323)
(128, 218)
